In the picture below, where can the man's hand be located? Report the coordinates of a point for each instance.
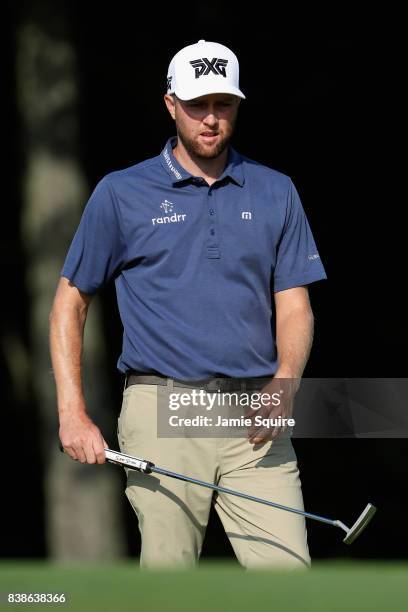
(294, 334)
(277, 402)
(81, 439)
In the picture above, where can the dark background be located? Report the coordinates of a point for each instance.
(322, 97)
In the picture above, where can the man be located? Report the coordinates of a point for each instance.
(198, 240)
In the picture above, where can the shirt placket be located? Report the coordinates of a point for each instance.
(213, 235)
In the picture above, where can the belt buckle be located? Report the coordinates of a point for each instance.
(215, 384)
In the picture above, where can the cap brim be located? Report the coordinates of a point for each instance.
(198, 93)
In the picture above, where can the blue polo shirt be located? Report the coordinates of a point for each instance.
(195, 266)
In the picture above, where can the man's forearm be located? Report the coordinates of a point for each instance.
(79, 435)
(294, 338)
(66, 344)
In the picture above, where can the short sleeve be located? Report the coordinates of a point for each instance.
(297, 261)
(97, 250)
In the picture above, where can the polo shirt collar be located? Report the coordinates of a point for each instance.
(233, 169)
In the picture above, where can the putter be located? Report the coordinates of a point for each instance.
(147, 467)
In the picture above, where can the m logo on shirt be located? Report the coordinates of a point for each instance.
(167, 207)
(246, 215)
(204, 66)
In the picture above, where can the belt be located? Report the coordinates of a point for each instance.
(208, 384)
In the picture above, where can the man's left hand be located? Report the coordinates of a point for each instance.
(277, 399)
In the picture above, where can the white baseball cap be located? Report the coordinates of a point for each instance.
(203, 68)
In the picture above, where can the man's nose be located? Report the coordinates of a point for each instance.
(211, 118)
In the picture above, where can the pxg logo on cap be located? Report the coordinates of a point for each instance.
(202, 69)
(205, 66)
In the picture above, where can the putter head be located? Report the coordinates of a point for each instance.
(360, 524)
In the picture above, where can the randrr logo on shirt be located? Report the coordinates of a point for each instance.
(167, 207)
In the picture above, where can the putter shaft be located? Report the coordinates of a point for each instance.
(147, 467)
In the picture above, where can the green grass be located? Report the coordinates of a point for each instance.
(330, 586)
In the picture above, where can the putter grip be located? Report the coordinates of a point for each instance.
(133, 463)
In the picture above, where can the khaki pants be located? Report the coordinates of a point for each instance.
(173, 514)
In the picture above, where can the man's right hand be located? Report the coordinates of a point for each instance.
(81, 439)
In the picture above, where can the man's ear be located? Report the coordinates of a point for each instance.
(171, 105)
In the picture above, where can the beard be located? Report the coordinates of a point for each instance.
(200, 151)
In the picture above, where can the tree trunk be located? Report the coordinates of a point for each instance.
(83, 503)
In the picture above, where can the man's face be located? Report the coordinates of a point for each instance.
(204, 125)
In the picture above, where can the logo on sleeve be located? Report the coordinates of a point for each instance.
(167, 207)
(314, 256)
(204, 66)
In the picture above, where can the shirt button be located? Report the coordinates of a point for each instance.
(212, 232)
(212, 211)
